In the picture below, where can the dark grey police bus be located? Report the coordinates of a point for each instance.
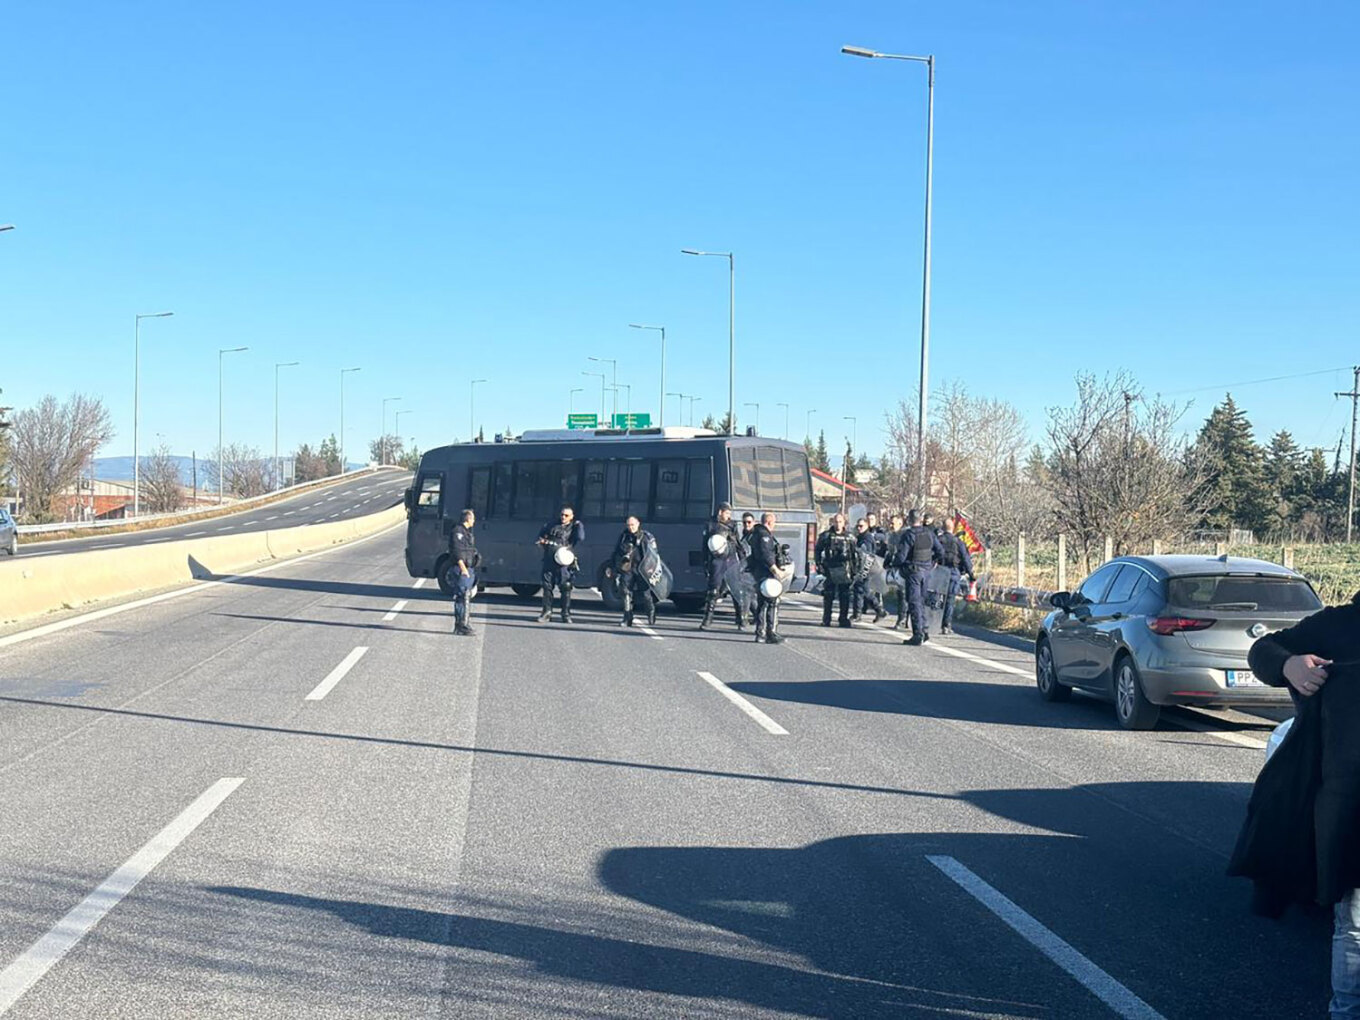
(671, 478)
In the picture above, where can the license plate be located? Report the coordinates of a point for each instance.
(1242, 678)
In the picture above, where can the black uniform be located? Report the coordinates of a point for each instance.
(462, 548)
(554, 536)
(763, 560)
(718, 567)
(627, 567)
(862, 600)
(957, 561)
(836, 557)
(917, 553)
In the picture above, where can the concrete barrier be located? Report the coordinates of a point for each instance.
(34, 585)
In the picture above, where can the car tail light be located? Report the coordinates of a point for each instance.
(1168, 625)
(811, 549)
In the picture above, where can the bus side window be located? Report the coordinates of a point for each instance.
(770, 467)
(796, 484)
(479, 491)
(670, 490)
(744, 490)
(699, 495)
(505, 485)
(428, 494)
(592, 491)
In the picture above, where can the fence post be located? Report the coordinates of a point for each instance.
(987, 563)
(1287, 556)
(1109, 549)
(1220, 548)
(1020, 560)
(1062, 563)
(1156, 547)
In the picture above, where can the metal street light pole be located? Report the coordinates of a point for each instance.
(692, 402)
(396, 423)
(854, 432)
(628, 401)
(786, 418)
(382, 435)
(757, 407)
(680, 399)
(221, 467)
(807, 429)
(571, 400)
(343, 372)
(603, 377)
(472, 406)
(614, 367)
(731, 332)
(136, 400)
(929, 61)
(661, 414)
(278, 365)
(6, 226)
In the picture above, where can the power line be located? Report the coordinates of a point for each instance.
(1255, 382)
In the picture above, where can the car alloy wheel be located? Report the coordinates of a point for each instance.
(1046, 678)
(1132, 707)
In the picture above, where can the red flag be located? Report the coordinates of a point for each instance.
(965, 531)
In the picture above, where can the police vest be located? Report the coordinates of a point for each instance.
(922, 546)
(838, 548)
(951, 551)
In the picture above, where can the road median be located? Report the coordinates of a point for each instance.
(32, 587)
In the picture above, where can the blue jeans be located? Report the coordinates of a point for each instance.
(1346, 956)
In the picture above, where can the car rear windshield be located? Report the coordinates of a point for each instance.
(1226, 592)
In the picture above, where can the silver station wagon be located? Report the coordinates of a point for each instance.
(1148, 631)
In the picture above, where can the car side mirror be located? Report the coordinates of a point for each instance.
(409, 499)
(1061, 600)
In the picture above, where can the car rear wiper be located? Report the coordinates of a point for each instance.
(1248, 606)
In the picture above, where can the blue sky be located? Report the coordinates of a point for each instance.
(442, 191)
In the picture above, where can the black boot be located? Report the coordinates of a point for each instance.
(760, 624)
(826, 613)
(651, 611)
(546, 614)
(708, 611)
(740, 614)
(566, 605)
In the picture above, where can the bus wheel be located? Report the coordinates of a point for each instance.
(441, 574)
(525, 591)
(688, 603)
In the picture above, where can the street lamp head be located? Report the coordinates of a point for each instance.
(155, 315)
(231, 350)
(6, 226)
(344, 370)
(476, 381)
(691, 251)
(858, 51)
(286, 364)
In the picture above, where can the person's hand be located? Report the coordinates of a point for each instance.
(1306, 673)
(463, 569)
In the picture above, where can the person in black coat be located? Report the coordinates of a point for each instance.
(564, 533)
(463, 563)
(626, 566)
(1301, 839)
(718, 566)
(836, 558)
(764, 564)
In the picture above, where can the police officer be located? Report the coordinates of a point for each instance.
(748, 525)
(566, 533)
(626, 565)
(917, 553)
(893, 539)
(957, 561)
(836, 556)
(464, 560)
(880, 536)
(862, 600)
(718, 565)
(764, 563)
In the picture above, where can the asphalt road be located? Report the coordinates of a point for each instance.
(587, 821)
(353, 498)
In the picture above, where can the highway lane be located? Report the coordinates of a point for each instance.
(573, 820)
(355, 497)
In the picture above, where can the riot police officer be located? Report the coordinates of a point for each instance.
(893, 539)
(880, 536)
(748, 525)
(957, 561)
(626, 566)
(565, 533)
(836, 556)
(765, 564)
(862, 599)
(917, 553)
(464, 560)
(721, 552)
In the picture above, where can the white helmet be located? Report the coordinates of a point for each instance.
(717, 544)
(564, 557)
(771, 588)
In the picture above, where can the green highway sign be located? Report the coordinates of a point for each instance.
(632, 421)
(583, 421)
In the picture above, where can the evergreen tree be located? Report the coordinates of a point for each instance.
(822, 460)
(848, 466)
(1237, 491)
(330, 455)
(1283, 462)
(709, 423)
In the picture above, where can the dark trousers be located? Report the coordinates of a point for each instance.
(462, 591)
(767, 616)
(916, 600)
(832, 593)
(560, 578)
(635, 593)
(951, 593)
(862, 600)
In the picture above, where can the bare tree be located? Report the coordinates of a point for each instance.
(162, 484)
(51, 443)
(1118, 468)
(387, 449)
(245, 471)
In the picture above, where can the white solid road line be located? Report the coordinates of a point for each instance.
(391, 614)
(336, 675)
(1105, 988)
(420, 583)
(1195, 726)
(766, 723)
(28, 969)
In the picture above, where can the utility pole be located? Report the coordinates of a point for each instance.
(1354, 394)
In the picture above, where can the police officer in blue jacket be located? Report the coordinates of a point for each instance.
(862, 599)
(957, 561)
(464, 561)
(917, 553)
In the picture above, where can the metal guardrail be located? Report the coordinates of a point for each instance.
(244, 504)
